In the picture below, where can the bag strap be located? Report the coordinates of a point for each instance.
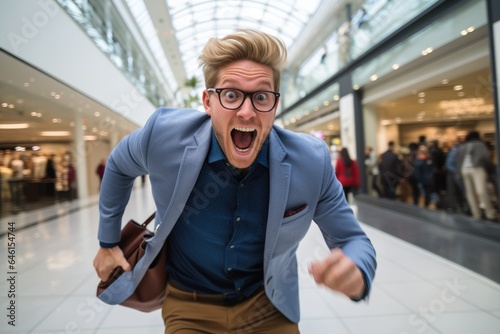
(147, 221)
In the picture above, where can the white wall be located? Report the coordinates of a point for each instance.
(42, 34)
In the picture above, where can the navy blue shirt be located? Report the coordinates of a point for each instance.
(217, 245)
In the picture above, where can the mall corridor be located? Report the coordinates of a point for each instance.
(415, 291)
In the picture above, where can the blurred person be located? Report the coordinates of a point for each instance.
(390, 169)
(100, 170)
(237, 195)
(347, 172)
(5, 175)
(72, 185)
(473, 161)
(17, 166)
(456, 201)
(439, 175)
(424, 172)
(405, 187)
(410, 172)
(51, 174)
(372, 171)
(16, 183)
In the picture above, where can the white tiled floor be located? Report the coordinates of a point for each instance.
(414, 290)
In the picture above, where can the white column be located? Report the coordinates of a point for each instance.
(347, 125)
(80, 157)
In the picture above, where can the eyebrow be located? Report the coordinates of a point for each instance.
(260, 82)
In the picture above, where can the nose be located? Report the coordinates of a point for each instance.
(247, 110)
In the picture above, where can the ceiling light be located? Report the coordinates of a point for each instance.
(467, 31)
(426, 51)
(373, 77)
(55, 133)
(445, 81)
(90, 137)
(421, 94)
(14, 126)
(97, 114)
(5, 105)
(395, 66)
(458, 87)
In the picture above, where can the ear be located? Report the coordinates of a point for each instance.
(206, 103)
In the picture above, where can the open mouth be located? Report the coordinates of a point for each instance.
(243, 138)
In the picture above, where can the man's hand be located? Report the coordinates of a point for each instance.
(108, 259)
(339, 273)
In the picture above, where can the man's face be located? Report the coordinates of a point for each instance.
(241, 132)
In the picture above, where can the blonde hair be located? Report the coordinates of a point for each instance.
(245, 44)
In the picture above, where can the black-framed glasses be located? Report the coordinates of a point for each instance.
(232, 98)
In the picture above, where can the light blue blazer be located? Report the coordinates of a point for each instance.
(171, 148)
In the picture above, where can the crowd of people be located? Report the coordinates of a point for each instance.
(460, 180)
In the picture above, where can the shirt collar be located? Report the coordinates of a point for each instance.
(215, 154)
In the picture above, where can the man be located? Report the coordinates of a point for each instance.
(390, 170)
(236, 195)
(473, 161)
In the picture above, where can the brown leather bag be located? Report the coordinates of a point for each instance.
(150, 293)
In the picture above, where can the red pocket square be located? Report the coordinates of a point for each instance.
(292, 212)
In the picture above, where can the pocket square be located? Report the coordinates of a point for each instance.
(292, 212)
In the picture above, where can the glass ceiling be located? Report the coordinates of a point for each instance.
(195, 21)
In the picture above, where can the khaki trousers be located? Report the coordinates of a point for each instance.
(187, 313)
(475, 181)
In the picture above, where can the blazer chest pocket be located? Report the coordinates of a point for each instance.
(295, 213)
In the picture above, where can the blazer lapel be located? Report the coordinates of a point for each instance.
(191, 164)
(279, 175)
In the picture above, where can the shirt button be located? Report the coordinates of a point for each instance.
(232, 246)
(238, 219)
(242, 185)
(229, 269)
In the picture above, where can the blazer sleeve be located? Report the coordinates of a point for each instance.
(340, 227)
(126, 162)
